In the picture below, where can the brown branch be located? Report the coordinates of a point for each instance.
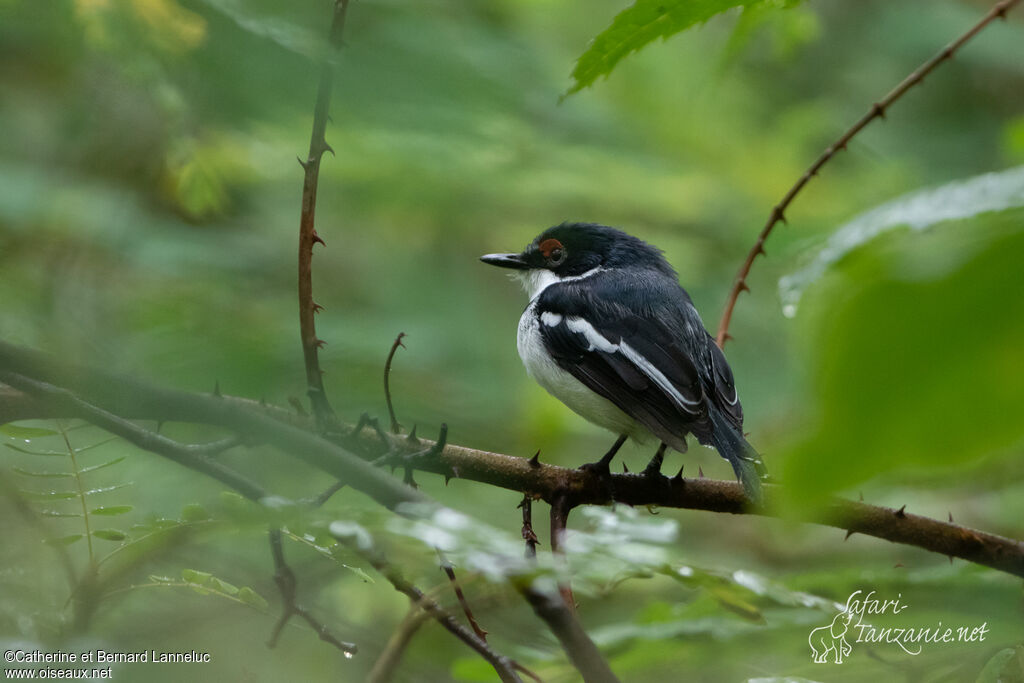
(307, 230)
(287, 584)
(288, 431)
(561, 506)
(505, 667)
(528, 534)
(563, 622)
(395, 427)
(877, 111)
(384, 668)
(449, 571)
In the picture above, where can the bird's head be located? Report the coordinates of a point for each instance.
(574, 249)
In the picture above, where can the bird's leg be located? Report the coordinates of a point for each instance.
(602, 468)
(653, 468)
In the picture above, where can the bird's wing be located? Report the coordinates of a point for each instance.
(724, 386)
(628, 352)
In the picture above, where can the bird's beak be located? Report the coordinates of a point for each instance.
(506, 261)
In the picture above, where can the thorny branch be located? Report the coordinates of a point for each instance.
(395, 426)
(287, 584)
(290, 432)
(194, 457)
(307, 231)
(505, 667)
(877, 111)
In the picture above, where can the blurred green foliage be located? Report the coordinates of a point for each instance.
(149, 202)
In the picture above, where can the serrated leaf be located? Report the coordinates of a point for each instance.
(43, 475)
(111, 510)
(637, 26)
(64, 540)
(110, 534)
(251, 597)
(19, 432)
(22, 449)
(194, 512)
(93, 468)
(994, 668)
(917, 210)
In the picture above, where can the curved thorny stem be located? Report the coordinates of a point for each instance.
(307, 231)
(877, 111)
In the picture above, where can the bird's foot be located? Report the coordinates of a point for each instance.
(602, 468)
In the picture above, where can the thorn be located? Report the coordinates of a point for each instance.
(263, 401)
(303, 164)
(317, 307)
(318, 239)
(901, 513)
(760, 250)
(328, 148)
(878, 110)
(320, 343)
(412, 438)
(625, 470)
(216, 388)
(1001, 12)
(728, 337)
(700, 471)
(951, 559)
(848, 534)
(950, 517)
(743, 287)
(842, 146)
(778, 215)
(297, 404)
(679, 475)
(159, 426)
(535, 460)
(408, 478)
(861, 494)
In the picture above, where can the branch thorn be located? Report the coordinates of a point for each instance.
(535, 460)
(901, 513)
(318, 239)
(849, 533)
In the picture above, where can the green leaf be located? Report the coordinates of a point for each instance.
(107, 489)
(49, 495)
(64, 540)
(44, 475)
(110, 534)
(194, 576)
(251, 597)
(915, 355)
(93, 468)
(155, 578)
(111, 510)
(55, 513)
(994, 668)
(21, 449)
(637, 26)
(917, 210)
(25, 432)
(194, 512)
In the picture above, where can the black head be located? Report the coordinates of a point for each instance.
(574, 248)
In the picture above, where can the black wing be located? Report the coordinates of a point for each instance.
(634, 348)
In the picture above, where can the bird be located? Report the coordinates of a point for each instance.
(611, 333)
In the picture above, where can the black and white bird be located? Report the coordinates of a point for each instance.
(611, 334)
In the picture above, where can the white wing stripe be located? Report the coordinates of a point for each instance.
(597, 341)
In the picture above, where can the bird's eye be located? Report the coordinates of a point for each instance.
(556, 256)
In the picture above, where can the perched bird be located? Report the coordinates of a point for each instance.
(610, 333)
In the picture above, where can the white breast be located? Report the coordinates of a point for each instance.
(563, 386)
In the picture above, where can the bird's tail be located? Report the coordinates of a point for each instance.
(745, 461)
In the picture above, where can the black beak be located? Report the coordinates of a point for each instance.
(506, 261)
